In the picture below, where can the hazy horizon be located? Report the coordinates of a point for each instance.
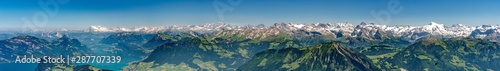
(80, 14)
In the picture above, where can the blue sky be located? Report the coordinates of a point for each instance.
(80, 14)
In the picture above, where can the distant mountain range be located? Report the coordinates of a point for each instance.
(361, 32)
(333, 29)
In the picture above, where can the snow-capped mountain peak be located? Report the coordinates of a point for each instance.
(458, 25)
(298, 25)
(98, 29)
(433, 26)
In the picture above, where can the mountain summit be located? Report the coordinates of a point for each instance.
(321, 57)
